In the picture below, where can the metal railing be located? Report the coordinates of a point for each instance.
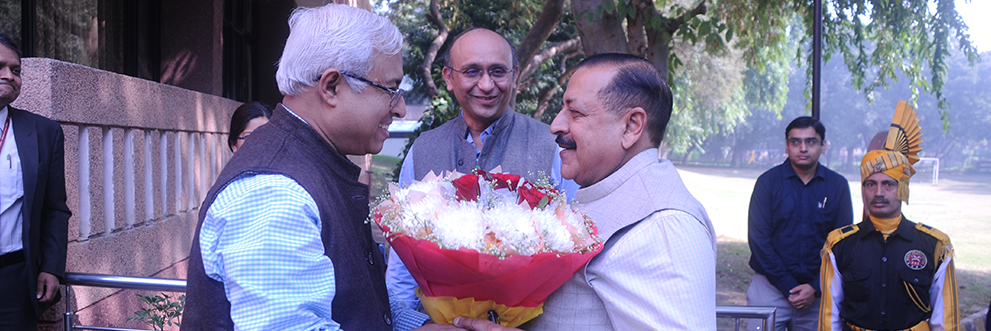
(766, 314)
(115, 281)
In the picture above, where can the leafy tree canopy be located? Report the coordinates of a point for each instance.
(725, 59)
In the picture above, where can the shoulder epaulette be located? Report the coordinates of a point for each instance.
(836, 235)
(935, 233)
(944, 248)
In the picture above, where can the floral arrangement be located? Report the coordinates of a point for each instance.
(485, 241)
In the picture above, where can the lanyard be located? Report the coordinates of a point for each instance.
(3, 136)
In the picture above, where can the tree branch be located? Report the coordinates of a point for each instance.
(544, 98)
(671, 25)
(548, 53)
(604, 34)
(428, 59)
(635, 27)
(551, 14)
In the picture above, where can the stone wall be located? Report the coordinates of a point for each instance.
(140, 156)
(975, 322)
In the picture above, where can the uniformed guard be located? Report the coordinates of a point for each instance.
(886, 272)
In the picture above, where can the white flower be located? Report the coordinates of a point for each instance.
(556, 235)
(459, 225)
(512, 227)
(494, 224)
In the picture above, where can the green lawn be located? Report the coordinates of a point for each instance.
(958, 206)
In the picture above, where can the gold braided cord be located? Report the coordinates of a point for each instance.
(916, 299)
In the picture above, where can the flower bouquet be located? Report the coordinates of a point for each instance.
(485, 242)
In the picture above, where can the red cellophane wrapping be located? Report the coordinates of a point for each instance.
(514, 281)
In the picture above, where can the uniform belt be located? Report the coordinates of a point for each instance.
(922, 326)
(12, 258)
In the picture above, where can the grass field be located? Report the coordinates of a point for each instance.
(959, 206)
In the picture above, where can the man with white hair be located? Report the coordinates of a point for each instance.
(282, 242)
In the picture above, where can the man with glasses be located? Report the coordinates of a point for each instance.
(480, 69)
(282, 242)
(793, 207)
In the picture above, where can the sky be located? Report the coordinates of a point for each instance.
(974, 14)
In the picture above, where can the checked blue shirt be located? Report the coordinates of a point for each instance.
(261, 238)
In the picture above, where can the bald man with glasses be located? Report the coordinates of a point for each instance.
(480, 69)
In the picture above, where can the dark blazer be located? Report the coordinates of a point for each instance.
(40, 145)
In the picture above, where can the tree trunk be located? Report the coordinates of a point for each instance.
(659, 39)
(688, 154)
(603, 35)
(658, 51)
(549, 17)
(635, 28)
(428, 59)
(739, 152)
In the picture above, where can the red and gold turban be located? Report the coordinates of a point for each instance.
(900, 151)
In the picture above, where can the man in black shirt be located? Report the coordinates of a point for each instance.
(792, 209)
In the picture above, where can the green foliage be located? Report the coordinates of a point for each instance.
(881, 41)
(709, 98)
(163, 312)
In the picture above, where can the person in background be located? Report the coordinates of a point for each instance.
(480, 69)
(792, 209)
(987, 319)
(245, 120)
(33, 211)
(886, 272)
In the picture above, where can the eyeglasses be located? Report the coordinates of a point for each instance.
(498, 74)
(396, 93)
(808, 141)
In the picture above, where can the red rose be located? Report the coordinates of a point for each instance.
(467, 187)
(533, 196)
(506, 181)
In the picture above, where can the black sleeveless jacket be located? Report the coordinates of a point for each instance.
(290, 147)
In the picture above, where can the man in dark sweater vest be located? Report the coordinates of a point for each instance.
(282, 243)
(481, 70)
